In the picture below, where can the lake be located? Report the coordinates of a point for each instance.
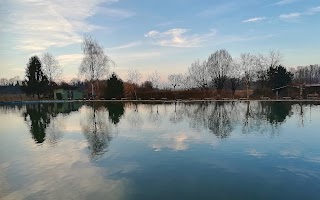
(209, 150)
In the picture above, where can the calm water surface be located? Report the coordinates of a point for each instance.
(254, 150)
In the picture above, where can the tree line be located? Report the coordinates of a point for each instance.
(220, 72)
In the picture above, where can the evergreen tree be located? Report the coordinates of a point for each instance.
(278, 76)
(36, 82)
(114, 88)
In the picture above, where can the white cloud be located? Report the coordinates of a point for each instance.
(151, 34)
(115, 13)
(285, 2)
(296, 15)
(313, 10)
(255, 19)
(168, 23)
(125, 46)
(217, 10)
(69, 58)
(37, 25)
(179, 38)
(290, 16)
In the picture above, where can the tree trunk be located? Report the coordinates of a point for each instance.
(248, 95)
(92, 90)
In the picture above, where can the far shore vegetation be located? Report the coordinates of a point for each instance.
(251, 76)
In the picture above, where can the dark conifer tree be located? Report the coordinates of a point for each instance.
(36, 82)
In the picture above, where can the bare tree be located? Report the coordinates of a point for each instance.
(51, 67)
(307, 74)
(95, 64)
(246, 62)
(4, 81)
(234, 76)
(175, 80)
(198, 73)
(154, 78)
(134, 77)
(274, 58)
(261, 64)
(75, 82)
(187, 81)
(218, 67)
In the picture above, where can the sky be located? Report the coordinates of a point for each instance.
(151, 35)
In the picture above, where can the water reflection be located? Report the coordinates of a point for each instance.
(134, 116)
(129, 151)
(98, 129)
(41, 119)
(277, 112)
(154, 115)
(38, 117)
(116, 111)
(218, 118)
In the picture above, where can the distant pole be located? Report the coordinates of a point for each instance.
(301, 91)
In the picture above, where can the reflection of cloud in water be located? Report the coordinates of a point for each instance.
(72, 128)
(296, 154)
(64, 174)
(314, 159)
(178, 142)
(55, 130)
(174, 142)
(300, 171)
(255, 153)
(290, 153)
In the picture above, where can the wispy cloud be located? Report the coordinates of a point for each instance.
(290, 16)
(115, 13)
(217, 10)
(69, 58)
(179, 37)
(313, 11)
(255, 19)
(296, 15)
(285, 2)
(125, 46)
(39, 24)
(168, 23)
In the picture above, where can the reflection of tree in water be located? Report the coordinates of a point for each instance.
(198, 115)
(97, 131)
(265, 117)
(177, 115)
(116, 111)
(42, 120)
(38, 117)
(6, 109)
(219, 117)
(220, 121)
(277, 112)
(222, 117)
(134, 118)
(154, 115)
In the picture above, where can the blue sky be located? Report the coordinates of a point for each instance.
(150, 35)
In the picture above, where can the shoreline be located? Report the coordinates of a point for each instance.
(158, 101)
